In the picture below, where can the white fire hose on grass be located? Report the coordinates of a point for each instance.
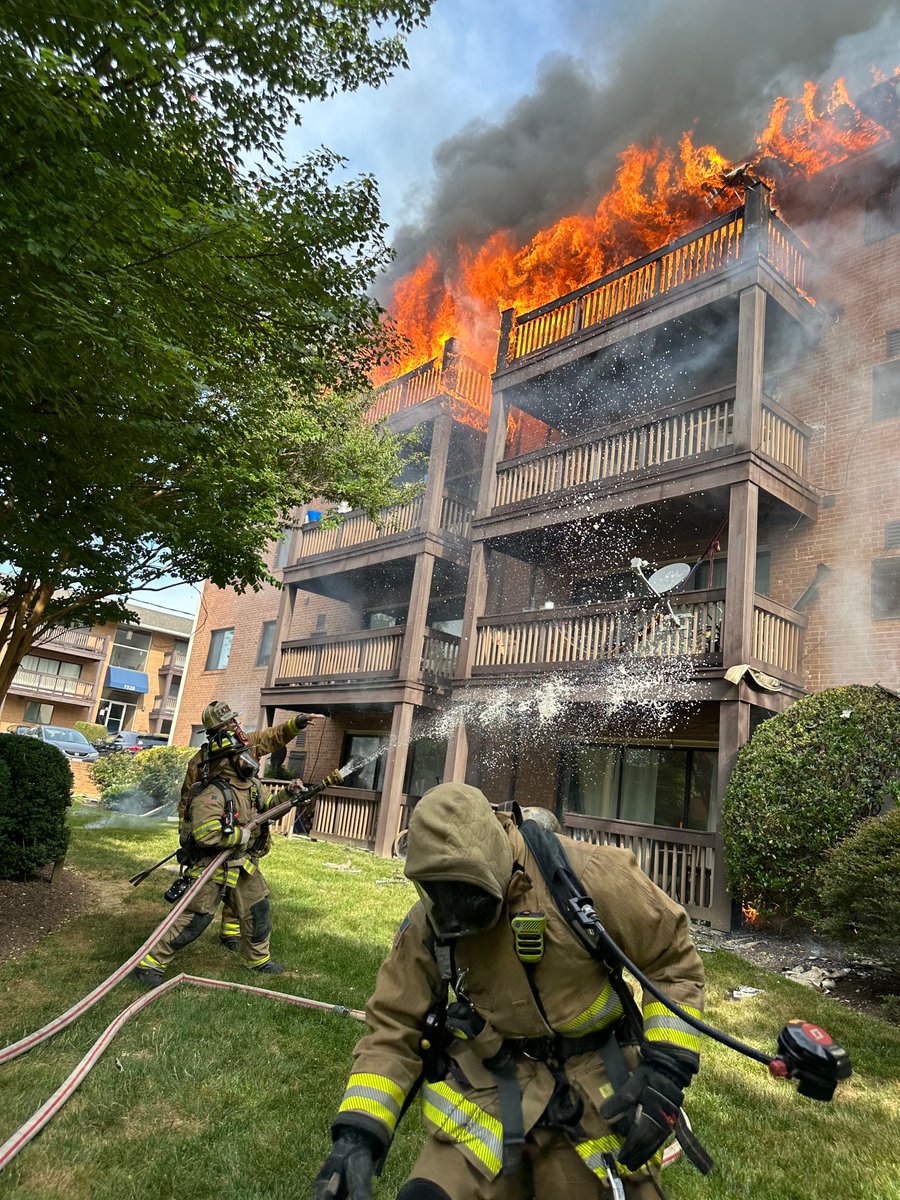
(51, 1107)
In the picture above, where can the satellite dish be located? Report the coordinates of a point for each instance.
(666, 579)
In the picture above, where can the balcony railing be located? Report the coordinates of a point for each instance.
(439, 654)
(60, 687)
(74, 641)
(583, 636)
(778, 637)
(163, 710)
(357, 528)
(457, 376)
(682, 862)
(370, 654)
(697, 428)
(704, 252)
(580, 637)
(174, 661)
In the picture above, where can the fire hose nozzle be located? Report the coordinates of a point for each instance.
(810, 1055)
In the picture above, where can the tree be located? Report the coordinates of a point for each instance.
(186, 327)
(803, 783)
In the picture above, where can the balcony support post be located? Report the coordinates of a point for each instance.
(476, 597)
(751, 346)
(417, 613)
(734, 731)
(493, 453)
(740, 574)
(457, 761)
(437, 473)
(392, 788)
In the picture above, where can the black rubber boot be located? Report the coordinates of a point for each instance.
(148, 977)
(270, 968)
(231, 943)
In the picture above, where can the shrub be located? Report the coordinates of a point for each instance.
(860, 889)
(35, 791)
(142, 781)
(92, 731)
(801, 784)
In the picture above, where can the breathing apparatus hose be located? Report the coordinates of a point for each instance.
(65, 1019)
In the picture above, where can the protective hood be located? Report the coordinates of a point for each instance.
(454, 836)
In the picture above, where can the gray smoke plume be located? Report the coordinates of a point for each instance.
(713, 66)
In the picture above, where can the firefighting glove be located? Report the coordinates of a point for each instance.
(646, 1107)
(346, 1173)
(244, 839)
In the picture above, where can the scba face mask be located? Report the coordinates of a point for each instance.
(458, 909)
(245, 765)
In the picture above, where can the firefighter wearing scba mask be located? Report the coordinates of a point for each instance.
(536, 1094)
(213, 813)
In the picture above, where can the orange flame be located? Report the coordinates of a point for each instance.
(657, 195)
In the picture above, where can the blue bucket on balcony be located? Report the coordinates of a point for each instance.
(312, 515)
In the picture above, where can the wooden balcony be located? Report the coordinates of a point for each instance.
(166, 709)
(686, 864)
(357, 529)
(452, 375)
(580, 638)
(174, 663)
(696, 429)
(74, 642)
(346, 815)
(705, 253)
(53, 687)
(368, 656)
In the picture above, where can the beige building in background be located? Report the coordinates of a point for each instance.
(123, 676)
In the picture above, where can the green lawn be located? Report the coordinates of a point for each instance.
(218, 1095)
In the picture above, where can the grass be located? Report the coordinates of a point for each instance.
(213, 1095)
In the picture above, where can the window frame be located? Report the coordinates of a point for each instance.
(223, 647)
(264, 650)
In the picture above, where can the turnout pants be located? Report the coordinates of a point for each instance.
(553, 1172)
(248, 901)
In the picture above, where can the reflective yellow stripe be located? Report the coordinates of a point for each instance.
(661, 1025)
(257, 962)
(230, 929)
(207, 827)
(375, 1095)
(604, 1010)
(149, 961)
(249, 866)
(465, 1122)
(591, 1153)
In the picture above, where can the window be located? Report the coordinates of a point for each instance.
(720, 565)
(50, 666)
(320, 622)
(883, 213)
(266, 641)
(40, 714)
(653, 785)
(385, 618)
(130, 649)
(369, 747)
(886, 390)
(425, 768)
(886, 589)
(219, 649)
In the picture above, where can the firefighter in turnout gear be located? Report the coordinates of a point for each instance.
(542, 1078)
(220, 715)
(214, 816)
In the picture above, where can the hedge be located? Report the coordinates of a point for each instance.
(860, 889)
(802, 783)
(143, 781)
(35, 791)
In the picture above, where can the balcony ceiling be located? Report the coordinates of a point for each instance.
(384, 581)
(641, 372)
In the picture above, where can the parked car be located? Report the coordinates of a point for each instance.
(131, 742)
(19, 728)
(72, 743)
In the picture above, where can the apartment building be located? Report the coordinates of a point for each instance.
(123, 676)
(721, 418)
